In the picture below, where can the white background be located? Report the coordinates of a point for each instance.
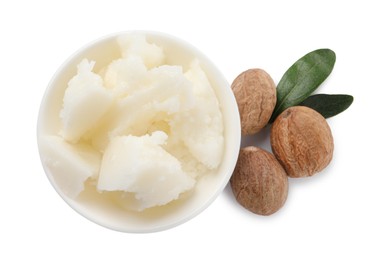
(338, 214)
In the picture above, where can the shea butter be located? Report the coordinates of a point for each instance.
(140, 126)
(140, 165)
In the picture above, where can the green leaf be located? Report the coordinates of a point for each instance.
(302, 78)
(328, 105)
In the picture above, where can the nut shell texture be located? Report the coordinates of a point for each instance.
(256, 97)
(259, 182)
(302, 141)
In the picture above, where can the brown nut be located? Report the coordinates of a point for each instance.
(302, 141)
(256, 97)
(259, 182)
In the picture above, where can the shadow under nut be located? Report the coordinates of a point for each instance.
(259, 182)
(302, 141)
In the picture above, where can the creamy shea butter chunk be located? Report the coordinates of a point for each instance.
(84, 103)
(141, 166)
(140, 127)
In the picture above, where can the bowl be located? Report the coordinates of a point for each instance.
(99, 209)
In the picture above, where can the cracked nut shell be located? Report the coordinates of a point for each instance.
(256, 97)
(302, 141)
(259, 182)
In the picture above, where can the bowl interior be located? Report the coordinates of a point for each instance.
(99, 209)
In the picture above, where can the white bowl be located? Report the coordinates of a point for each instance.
(100, 210)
